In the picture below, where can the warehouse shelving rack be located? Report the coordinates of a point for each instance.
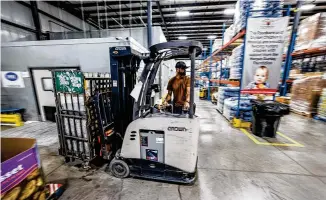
(242, 35)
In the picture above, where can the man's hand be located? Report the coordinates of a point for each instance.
(186, 106)
(164, 105)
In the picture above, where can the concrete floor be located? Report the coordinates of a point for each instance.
(230, 166)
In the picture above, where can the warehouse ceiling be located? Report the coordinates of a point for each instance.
(206, 17)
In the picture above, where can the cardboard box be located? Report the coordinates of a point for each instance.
(21, 173)
(310, 29)
(305, 93)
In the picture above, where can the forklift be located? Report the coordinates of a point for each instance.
(151, 142)
(112, 117)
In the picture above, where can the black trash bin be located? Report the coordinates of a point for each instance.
(266, 117)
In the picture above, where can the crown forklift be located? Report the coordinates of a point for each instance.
(154, 144)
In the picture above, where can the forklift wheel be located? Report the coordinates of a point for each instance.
(119, 168)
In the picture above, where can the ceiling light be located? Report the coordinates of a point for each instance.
(205, 49)
(307, 7)
(229, 11)
(182, 37)
(211, 37)
(182, 13)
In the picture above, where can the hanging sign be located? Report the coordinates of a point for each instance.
(265, 39)
(12, 79)
(69, 81)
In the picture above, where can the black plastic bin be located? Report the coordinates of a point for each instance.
(266, 117)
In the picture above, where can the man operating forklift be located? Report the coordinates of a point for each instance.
(179, 86)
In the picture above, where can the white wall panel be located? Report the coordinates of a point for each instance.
(16, 13)
(50, 24)
(60, 14)
(10, 33)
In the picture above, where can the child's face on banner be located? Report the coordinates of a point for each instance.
(261, 76)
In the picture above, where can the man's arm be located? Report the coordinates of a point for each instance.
(188, 95)
(168, 96)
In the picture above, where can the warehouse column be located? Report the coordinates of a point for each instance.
(36, 19)
(149, 23)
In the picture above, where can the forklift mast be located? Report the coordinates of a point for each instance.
(124, 63)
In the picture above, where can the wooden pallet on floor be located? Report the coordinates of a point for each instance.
(305, 114)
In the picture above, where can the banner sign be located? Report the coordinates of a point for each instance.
(69, 82)
(12, 79)
(265, 39)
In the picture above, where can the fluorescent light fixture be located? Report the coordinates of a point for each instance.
(211, 37)
(183, 13)
(182, 37)
(205, 49)
(307, 7)
(229, 11)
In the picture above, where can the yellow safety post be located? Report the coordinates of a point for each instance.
(238, 123)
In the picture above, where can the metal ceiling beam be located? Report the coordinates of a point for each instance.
(203, 37)
(163, 20)
(102, 3)
(127, 11)
(157, 7)
(76, 12)
(206, 18)
(203, 30)
(178, 5)
(197, 34)
(174, 19)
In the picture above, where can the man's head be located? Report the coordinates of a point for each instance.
(261, 75)
(180, 68)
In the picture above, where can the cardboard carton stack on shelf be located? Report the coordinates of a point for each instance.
(231, 106)
(321, 111)
(224, 93)
(217, 44)
(287, 41)
(267, 8)
(236, 62)
(312, 32)
(228, 34)
(305, 94)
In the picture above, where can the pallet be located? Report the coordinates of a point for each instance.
(11, 120)
(305, 114)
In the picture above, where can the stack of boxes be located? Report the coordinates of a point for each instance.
(268, 8)
(312, 32)
(231, 105)
(321, 111)
(224, 93)
(305, 94)
(310, 64)
(228, 34)
(217, 44)
(236, 62)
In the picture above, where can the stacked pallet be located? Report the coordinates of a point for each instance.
(305, 95)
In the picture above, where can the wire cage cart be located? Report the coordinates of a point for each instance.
(84, 118)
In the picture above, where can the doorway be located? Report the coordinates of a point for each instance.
(42, 83)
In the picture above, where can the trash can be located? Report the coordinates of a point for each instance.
(266, 117)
